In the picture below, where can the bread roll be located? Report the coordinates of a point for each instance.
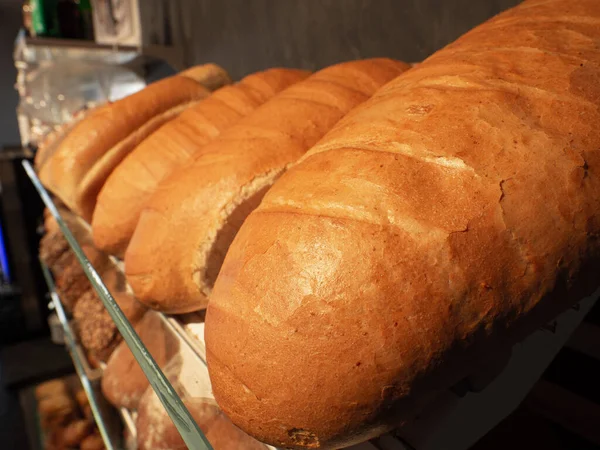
(50, 389)
(130, 185)
(92, 442)
(108, 125)
(72, 282)
(56, 410)
(185, 230)
(188, 376)
(441, 221)
(84, 404)
(76, 431)
(156, 431)
(97, 331)
(123, 381)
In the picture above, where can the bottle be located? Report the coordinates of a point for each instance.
(43, 17)
(87, 21)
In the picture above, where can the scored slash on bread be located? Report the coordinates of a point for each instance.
(173, 145)
(103, 128)
(438, 223)
(188, 223)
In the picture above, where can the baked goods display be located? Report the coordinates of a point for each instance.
(442, 220)
(155, 429)
(123, 381)
(211, 197)
(172, 146)
(362, 237)
(95, 145)
(63, 411)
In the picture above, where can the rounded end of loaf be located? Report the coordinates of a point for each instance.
(119, 205)
(211, 76)
(110, 237)
(158, 264)
(268, 302)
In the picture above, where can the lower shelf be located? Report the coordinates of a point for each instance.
(105, 416)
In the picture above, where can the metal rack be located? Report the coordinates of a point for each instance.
(456, 419)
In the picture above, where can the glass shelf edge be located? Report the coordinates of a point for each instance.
(79, 366)
(181, 417)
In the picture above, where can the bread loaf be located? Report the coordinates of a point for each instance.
(50, 389)
(97, 331)
(443, 220)
(87, 192)
(189, 377)
(76, 431)
(184, 232)
(92, 442)
(108, 125)
(123, 381)
(173, 145)
(72, 283)
(53, 139)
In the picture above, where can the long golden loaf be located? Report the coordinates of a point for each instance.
(106, 126)
(173, 145)
(442, 220)
(187, 225)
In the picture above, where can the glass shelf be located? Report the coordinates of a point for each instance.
(106, 420)
(179, 414)
(460, 416)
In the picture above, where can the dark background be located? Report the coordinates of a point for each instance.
(249, 35)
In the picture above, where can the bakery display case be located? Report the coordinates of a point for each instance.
(460, 416)
(108, 424)
(372, 255)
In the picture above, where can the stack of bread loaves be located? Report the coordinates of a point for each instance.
(172, 146)
(65, 417)
(365, 235)
(444, 219)
(95, 145)
(210, 197)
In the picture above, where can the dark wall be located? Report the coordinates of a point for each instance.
(10, 21)
(249, 35)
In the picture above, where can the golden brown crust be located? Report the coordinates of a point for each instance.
(108, 125)
(210, 198)
(211, 76)
(445, 218)
(94, 179)
(56, 410)
(50, 389)
(75, 432)
(156, 431)
(123, 381)
(172, 146)
(92, 442)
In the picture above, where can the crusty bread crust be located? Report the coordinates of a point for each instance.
(87, 192)
(123, 381)
(447, 217)
(187, 225)
(172, 146)
(106, 126)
